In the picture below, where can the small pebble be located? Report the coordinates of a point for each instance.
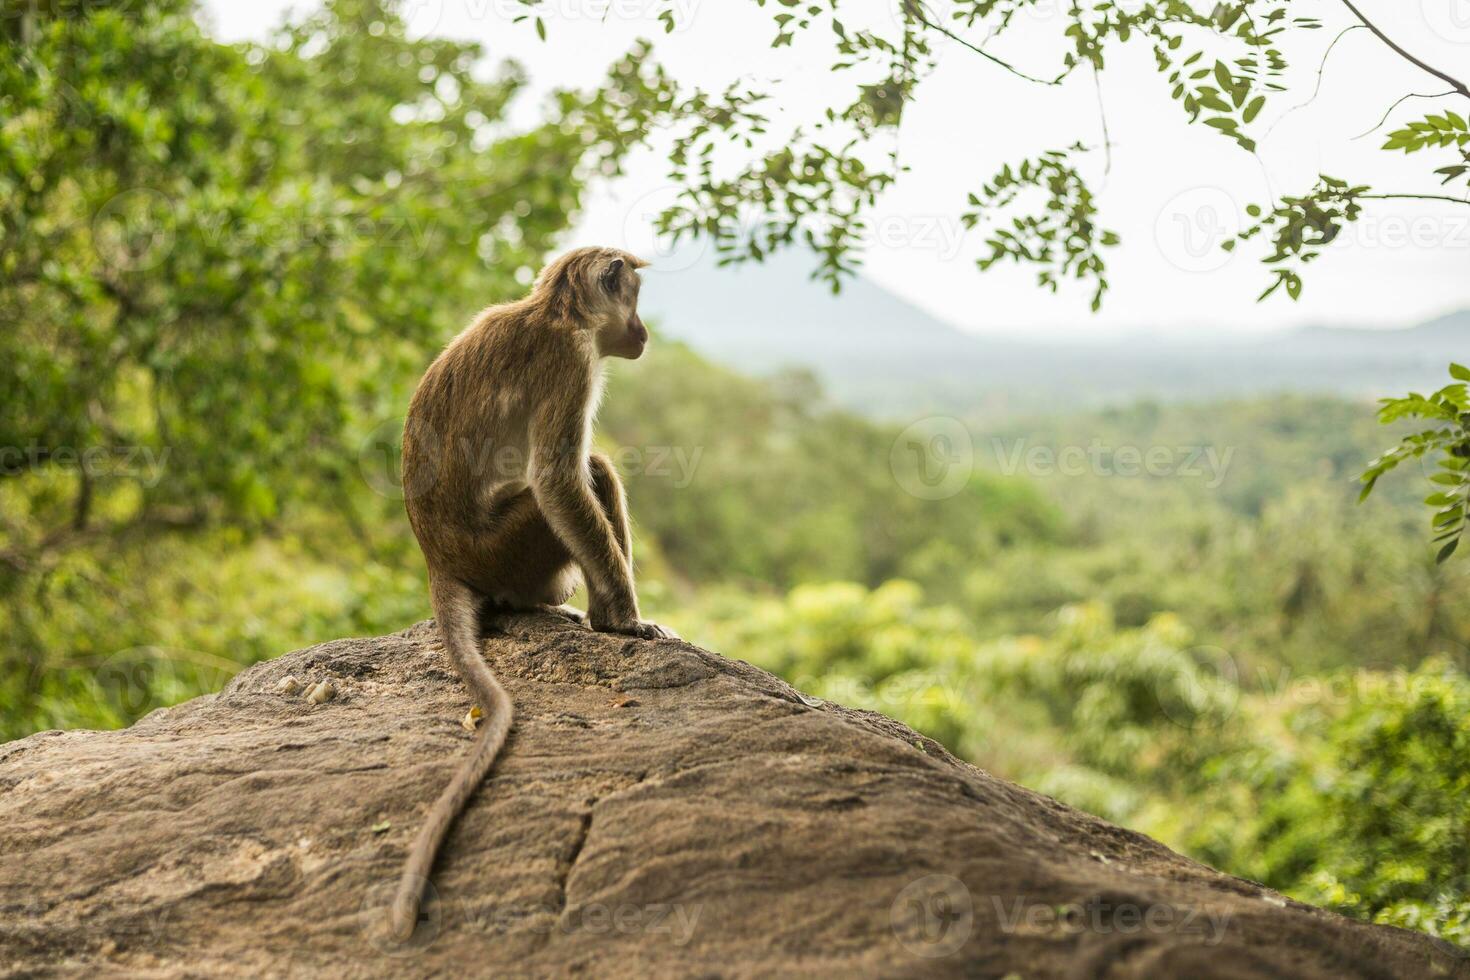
(289, 685)
(322, 693)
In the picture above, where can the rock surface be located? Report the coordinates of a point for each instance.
(660, 810)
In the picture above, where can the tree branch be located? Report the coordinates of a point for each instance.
(1399, 102)
(1455, 83)
(1317, 89)
(1414, 197)
(916, 8)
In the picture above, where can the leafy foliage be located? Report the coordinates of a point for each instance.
(1397, 804)
(1446, 443)
(1300, 227)
(1448, 129)
(1064, 239)
(1222, 62)
(233, 255)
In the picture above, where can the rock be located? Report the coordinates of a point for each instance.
(659, 810)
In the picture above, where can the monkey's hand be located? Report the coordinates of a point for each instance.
(641, 628)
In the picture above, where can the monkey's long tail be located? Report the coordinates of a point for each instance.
(454, 610)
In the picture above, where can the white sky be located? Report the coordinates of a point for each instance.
(1171, 190)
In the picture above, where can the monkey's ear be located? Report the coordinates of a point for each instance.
(609, 276)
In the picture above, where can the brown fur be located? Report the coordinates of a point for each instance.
(506, 498)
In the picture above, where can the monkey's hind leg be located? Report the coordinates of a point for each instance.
(492, 609)
(521, 565)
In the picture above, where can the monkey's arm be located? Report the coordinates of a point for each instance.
(561, 483)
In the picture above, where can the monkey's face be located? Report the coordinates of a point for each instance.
(622, 333)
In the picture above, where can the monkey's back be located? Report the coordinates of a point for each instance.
(466, 440)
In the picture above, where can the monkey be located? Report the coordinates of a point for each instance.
(508, 501)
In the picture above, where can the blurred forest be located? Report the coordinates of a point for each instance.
(222, 268)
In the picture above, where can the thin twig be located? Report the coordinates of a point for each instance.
(1458, 85)
(1411, 95)
(1102, 112)
(916, 8)
(1414, 197)
(1317, 90)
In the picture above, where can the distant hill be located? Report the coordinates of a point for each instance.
(1453, 327)
(882, 355)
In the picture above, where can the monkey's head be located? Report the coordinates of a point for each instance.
(600, 286)
(621, 332)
